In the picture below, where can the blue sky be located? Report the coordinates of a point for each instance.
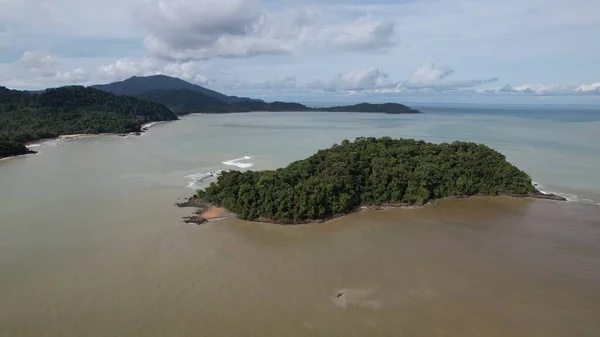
(407, 50)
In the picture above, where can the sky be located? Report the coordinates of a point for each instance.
(321, 50)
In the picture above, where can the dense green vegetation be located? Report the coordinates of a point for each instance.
(368, 171)
(26, 117)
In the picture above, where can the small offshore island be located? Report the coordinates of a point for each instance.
(373, 173)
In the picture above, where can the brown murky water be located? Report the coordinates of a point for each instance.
(480, 267)
(94, 248)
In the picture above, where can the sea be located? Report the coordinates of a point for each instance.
(91, 243)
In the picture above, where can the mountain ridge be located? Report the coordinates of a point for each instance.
(183, 98)
(137, 85)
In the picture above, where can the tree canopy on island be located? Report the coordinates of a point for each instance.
(366, 172)
(26, 116)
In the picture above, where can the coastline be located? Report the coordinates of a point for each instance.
(208, 212)
(204, 213)
(30, 153)
(75, 136)
(39, 142)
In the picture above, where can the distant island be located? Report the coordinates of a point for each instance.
(123, 107)
(389, 108)
(26, 116)
(184, 98)
(369, 172)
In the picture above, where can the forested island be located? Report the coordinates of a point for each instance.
(368, 172)
(27, 116)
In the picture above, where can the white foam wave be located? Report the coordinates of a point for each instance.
(570, 197)
(199, 178)
(237, 162)
(52, 142)
(149, 125)
(21, 155)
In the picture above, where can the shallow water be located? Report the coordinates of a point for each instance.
(91, 244)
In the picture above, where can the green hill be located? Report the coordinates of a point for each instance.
(139, 85)
(26, 116)
(366, 172)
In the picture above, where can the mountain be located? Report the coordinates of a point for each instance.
(183, 98)
(135, 86)
(185, 101)
(26, 116)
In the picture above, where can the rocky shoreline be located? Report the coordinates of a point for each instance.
(204, 213)
(207, 211)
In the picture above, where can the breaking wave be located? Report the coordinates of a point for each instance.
(52, 142)
(149, 125)
(237, 162)
(196, 179)
(570, 197)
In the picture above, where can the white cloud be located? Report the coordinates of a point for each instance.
(546, 89)
(189, 71)
(75, 76)
(356, 80)
(44, 66)
(200, 29)
(285, 83)
(184, 24)
(127, 67)
(427, 77)
(431, 77)
(38, 61)
(593, 88)
(365, 34)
